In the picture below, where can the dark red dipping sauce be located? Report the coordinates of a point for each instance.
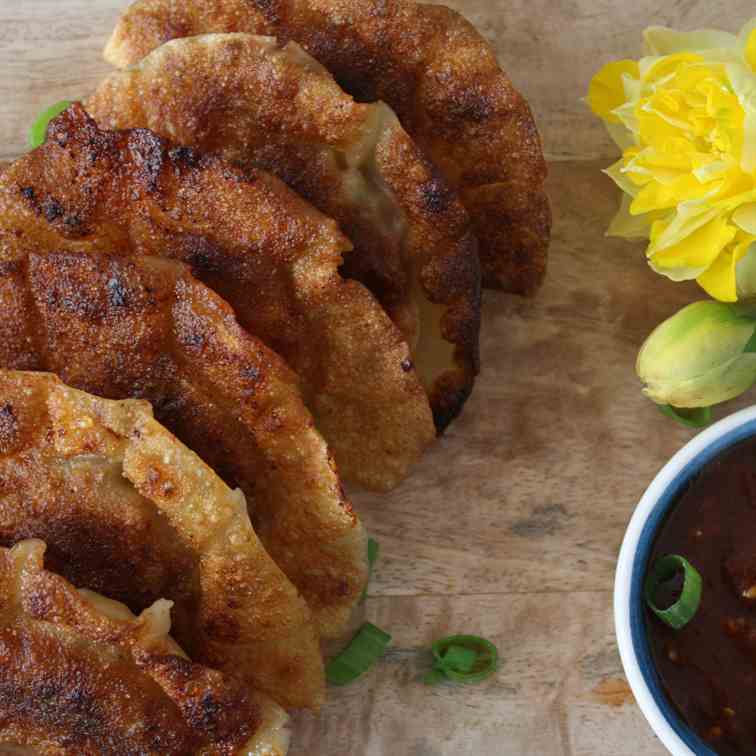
(708, 668)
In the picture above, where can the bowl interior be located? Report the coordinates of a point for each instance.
(637, 613)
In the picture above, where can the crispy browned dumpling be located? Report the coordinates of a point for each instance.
(80, 674)
(271, 255)
(143, 327)
(434, 69)
(263, 106)
(128, 510)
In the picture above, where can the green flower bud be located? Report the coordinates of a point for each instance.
(703, 355)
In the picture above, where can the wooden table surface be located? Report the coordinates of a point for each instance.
(511, 525)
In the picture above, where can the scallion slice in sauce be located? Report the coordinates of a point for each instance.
(38, 132)
(684, 609)
(359, 656)
(462, 658)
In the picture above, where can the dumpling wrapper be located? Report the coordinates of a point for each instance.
(434, 69)
(277, 109)
(79, 673)
(267, 252)
(126, 508)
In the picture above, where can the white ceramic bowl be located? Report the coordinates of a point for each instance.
(629, 611)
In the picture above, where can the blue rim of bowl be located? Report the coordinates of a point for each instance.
(638, 614)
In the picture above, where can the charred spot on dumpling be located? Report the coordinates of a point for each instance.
(186, 156)
(51, 209)
(9, 430)
(148, 151)
(437, 195)
(448, 405)
(160, 482)
(271, 9)
(202, 255)
(117, 293)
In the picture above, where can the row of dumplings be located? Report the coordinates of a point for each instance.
(282, 289)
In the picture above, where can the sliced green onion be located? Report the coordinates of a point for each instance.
(374, 550)
(38, 132)
(462, 658)
(359, 656)
(690, 417)
(684, 609)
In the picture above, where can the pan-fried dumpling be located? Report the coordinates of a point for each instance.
(143, 327)
(271, 255)
(81, 674)
(128, 510)
(277, 109)
(433, 68)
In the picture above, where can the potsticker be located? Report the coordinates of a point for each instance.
(433, 68)
(275, 108)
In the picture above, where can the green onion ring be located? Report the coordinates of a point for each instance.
(462, 658)
(38, 132)
(359, 656)
(690, 417)
(684, 609)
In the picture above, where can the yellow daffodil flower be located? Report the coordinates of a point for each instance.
(684, 117)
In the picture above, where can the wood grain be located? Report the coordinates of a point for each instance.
(511, 525)
(557, 649)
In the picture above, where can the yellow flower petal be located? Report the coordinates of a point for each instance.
(685, 220)
(658, 196)
(694, 254)
(668, 65)
(745, 217)
(629, 226)
(743, 82)
(607, 92)
(719, 280)
(656, 130)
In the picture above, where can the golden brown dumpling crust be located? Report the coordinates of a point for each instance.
(128, 510)
(271, 255)
(263, 106)
(143, 326)
(81, 674)
(433, 68)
